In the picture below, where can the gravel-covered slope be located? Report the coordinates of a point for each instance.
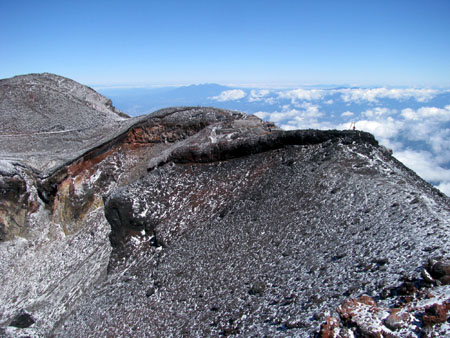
(198, 222)
(261, 245)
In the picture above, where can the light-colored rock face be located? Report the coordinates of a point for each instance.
(199, 222)
(48, 120)
(47, 102)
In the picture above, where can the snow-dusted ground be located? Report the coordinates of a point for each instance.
(262, 244)
(220, 223)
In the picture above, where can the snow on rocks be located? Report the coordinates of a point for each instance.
(422, 312)
(315, 223)
(219, 224)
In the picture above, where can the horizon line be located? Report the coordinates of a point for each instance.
(323, 86)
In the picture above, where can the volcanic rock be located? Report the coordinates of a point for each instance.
(440, 269)
(330, 329)
(22, 320)
(435, 314)
(198, 222)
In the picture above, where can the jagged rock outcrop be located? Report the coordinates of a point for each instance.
(196, 222)
(417, 308)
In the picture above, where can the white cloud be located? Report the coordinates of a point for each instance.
(424, 164)
(383, 130)
(410, 114)
(258, 95)
(431, 133)
(440, 144)
(304, 116)
(230, 95)
(300, 123)
(288, 127)
(424, 125)
(307, 114)
(283, 115)
(303, 94)
(262, 115)
(310, 110)
(444, 187)
(441, 114)
(347, 113)
(270, 100)
(378, 111)
(427, 164)
(373, 94)
(428, 125)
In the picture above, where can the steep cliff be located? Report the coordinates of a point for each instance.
(196, 222)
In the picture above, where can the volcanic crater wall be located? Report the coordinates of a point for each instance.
(220, 221)
(264, 243)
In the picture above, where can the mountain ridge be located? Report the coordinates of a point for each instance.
(198, 221)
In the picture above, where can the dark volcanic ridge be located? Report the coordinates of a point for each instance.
(203, 222)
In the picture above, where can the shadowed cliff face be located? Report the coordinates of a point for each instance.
(201, 222)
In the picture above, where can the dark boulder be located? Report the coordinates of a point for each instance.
(22, 320)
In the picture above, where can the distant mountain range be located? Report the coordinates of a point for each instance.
(138, 101)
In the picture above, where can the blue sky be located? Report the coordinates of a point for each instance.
(241, 42)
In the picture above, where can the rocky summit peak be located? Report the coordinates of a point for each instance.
(204, 222)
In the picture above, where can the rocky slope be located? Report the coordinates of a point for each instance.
(196, 222)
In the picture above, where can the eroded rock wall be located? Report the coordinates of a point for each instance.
(44, 267)
(261, 243)
(55, 236)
